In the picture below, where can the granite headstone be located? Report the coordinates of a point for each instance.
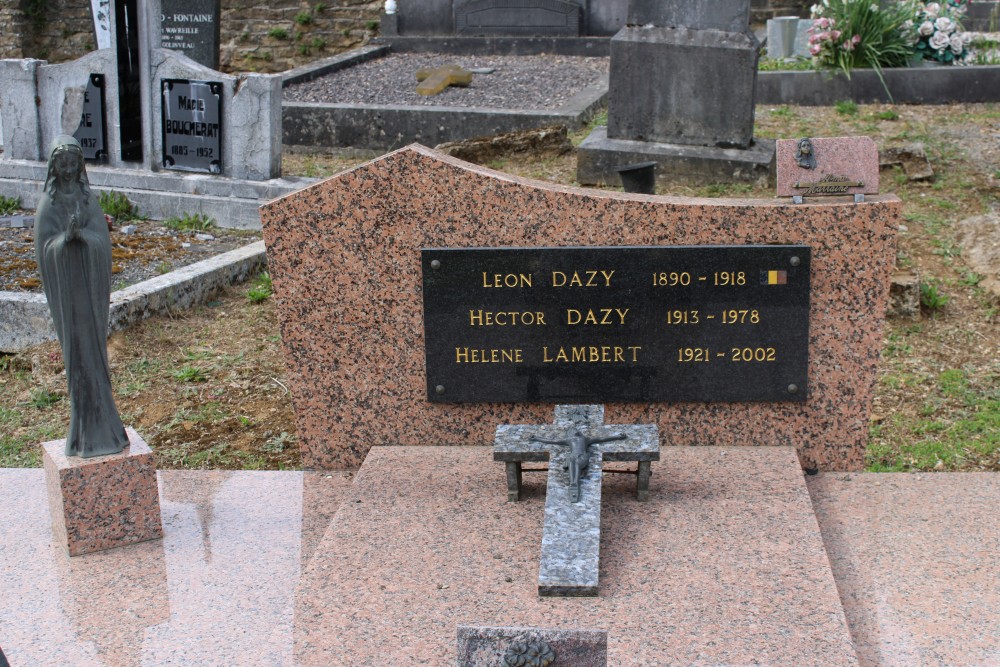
(192, 27)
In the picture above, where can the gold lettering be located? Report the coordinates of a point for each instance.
(592, 354)
(602, 316)
(465, 355)
(582, 278)
(507, 279)
(502, 318)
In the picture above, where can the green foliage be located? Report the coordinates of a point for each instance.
(371, 25)
(190, 373)
(304, 18)
(37, 13)
(782, 65)
(888, 114)
(190, 222)
(846, 107)
(782, 112)
(42, 398)
(119, 207)
(9, 204)
(930, 298)
(277, 33)
(261, 289)
(277, 444)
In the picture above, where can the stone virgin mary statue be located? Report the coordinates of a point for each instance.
(73, 249)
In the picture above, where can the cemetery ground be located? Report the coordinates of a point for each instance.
(206, 387)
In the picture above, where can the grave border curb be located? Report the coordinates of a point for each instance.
(25, 320)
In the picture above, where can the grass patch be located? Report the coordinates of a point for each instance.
(190, 222)
(846, 107)
(119, 207)
(9, 204)
(262, 288)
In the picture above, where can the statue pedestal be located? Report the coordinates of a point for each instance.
(103, 502)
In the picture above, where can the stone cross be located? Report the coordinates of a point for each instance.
(433, 81)
(571, 536)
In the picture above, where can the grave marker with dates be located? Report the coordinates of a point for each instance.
(682, 323)
(192, 125)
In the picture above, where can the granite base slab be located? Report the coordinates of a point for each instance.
(216, 590)
(598, 158)
(724, 565)
(102, 502)
(917, 562)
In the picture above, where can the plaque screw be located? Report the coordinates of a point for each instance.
(794, 261)
(792, 388)
(436, 264)
(439, 389)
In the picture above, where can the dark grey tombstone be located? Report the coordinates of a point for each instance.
(192, 125)
(606, 17)
(91, 132)
(480, 646)
(725, 15)
(681, 86)
(426, 17)
(518, 17)
(129, 86)
(192, 27)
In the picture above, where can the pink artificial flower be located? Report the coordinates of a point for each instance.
(815, 49)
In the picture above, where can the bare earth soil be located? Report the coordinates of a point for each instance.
(207, 387)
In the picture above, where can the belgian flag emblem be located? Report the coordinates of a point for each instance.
(774, 277)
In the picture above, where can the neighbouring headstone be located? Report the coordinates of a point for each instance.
(91, 133)
(821, 166)
(354, 336)
(192, 125)
(682, 75)
(518, 17)
(192, 27)
(483, 646)
(101, 13)
(788, 37)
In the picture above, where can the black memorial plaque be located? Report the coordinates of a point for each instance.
(564, 325)
(192, 27)
(192, 125)
(90, 133)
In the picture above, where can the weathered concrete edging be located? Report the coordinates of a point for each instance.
(594, 46)
(336, 63)
(233, 203)
(908, 85)
(25, 320)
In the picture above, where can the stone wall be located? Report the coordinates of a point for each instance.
(256, 35)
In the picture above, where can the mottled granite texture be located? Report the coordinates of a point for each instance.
(218, 589)
(103, 502)
(917, 562)
(345, 259)
(854, 158)
(486, 647)
(723, 566)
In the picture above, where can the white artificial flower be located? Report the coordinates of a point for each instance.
(873, 7)
(926, 29)
(816, 10)
(957, 44)
(939, 41)
(966, 38)
(945, 25)
(932, 10)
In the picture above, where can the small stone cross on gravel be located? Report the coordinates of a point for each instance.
(433, 81)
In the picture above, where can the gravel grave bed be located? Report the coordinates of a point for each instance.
(152, 250)
(516, 82)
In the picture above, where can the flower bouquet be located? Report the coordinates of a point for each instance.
(935, 31)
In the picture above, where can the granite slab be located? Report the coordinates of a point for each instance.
(216, 590)
(487, 647)
(344, 256)
(724, 565)
(102, 502)
(917, 563)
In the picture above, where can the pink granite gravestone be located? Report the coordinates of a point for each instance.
(344, 255)
(849, 162)
(102, 502)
